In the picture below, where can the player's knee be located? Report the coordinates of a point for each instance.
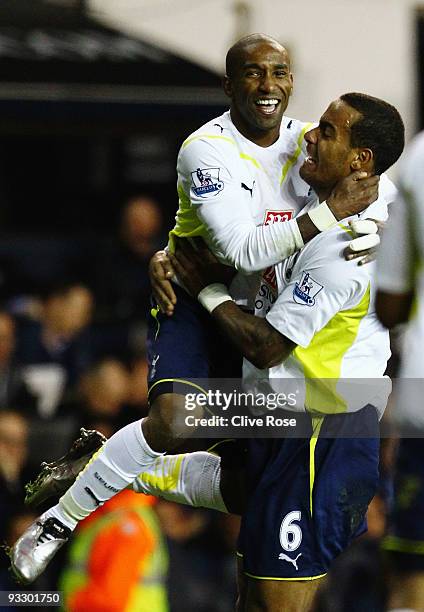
(162, 426)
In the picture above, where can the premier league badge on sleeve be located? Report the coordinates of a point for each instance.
(205, 182)
(306, 290)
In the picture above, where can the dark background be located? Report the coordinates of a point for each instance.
(89, 116)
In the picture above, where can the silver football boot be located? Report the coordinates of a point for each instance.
(34, 550)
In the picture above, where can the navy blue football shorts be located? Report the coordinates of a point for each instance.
(308, 497)
(405, 541)
(185, 346)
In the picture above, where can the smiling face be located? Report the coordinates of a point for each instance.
(259, 85)
(331, 156)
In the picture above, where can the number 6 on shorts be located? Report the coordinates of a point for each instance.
(290, 533)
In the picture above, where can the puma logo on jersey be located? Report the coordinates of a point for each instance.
(244, 186)
(220, 127)
(284, 557)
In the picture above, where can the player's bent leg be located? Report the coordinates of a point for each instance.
(213, 480)
(115, 465)
(56, 477)
(110, 470)
(164, 428)
(191, 478)
(279, 596)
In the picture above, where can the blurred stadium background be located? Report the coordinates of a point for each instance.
(95, 99)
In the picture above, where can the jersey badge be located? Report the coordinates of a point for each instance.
(306, 290)
(277, 216)
(205, 182)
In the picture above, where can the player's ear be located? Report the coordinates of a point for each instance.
(228, 86)
(362, 159)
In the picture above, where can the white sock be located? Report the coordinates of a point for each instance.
(192, 479)
(115, 465)
(402, 610)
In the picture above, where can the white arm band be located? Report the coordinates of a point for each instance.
(322, 217)
(213, 295)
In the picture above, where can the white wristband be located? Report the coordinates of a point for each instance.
(213, 295)
(322, 217)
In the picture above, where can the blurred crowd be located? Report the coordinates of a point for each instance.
(73, 354)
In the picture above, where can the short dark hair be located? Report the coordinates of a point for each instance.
(380, 129)
(235, 53)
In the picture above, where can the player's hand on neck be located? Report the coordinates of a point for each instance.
(352, 194)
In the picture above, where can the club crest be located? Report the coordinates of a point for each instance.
(205, 182)
(306, 290)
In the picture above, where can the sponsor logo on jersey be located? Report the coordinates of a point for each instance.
(306, 290)
(274, 216)
(205, 182)
(270, 277)
(277, 216)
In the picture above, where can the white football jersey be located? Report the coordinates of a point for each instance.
(325, 305)
(400, 270)
(235, 194)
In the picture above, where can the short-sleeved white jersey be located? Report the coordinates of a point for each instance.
(234, 193)
(400, 270)
(325, 305)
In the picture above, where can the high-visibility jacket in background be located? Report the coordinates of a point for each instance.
(117, 560)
